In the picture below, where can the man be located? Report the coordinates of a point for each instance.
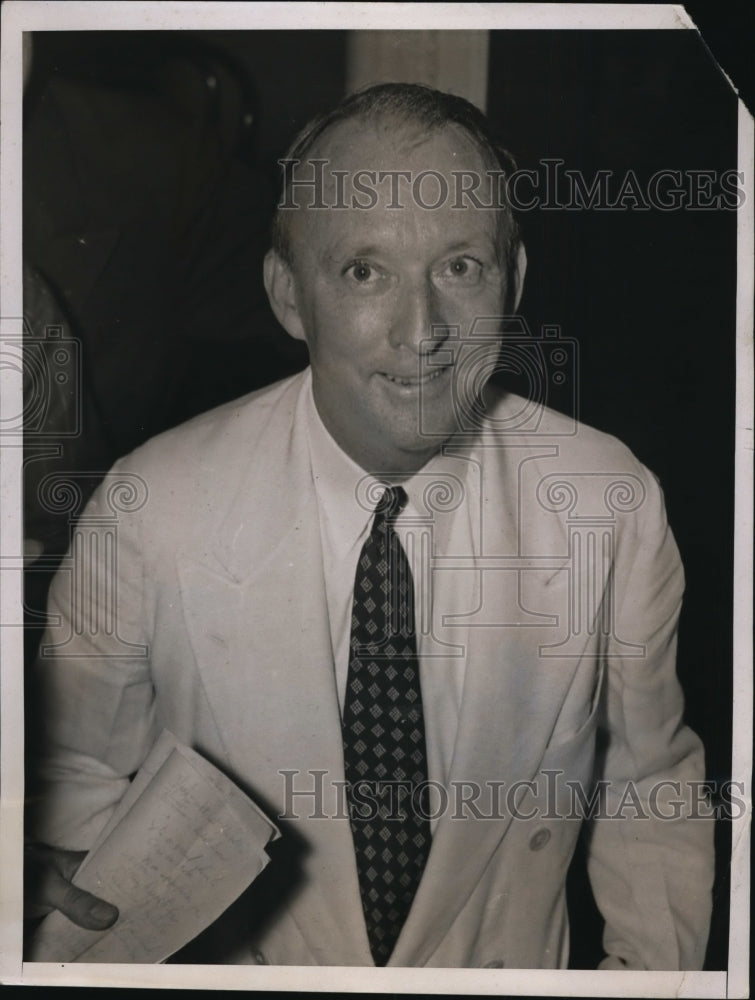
(383, 575)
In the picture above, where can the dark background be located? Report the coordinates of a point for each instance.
(649, 296)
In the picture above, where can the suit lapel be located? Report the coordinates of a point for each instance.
(511, 699)
(258, 623)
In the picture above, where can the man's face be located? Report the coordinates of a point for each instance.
(370, 286)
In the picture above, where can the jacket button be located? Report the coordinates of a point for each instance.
(494, 963)
(540, 839)
(259, 958)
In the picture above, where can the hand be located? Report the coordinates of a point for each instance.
(48, 886)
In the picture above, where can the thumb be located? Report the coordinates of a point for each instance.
(82, 907)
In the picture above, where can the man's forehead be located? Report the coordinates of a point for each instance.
(387, 142)
(393, 176)
(342, 136)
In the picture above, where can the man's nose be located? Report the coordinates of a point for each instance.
(417, 314)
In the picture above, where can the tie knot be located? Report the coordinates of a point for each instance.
(391, 503)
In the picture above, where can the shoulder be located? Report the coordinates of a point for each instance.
(513, 420)
(563, 467)
(244, 420)
(199, 463)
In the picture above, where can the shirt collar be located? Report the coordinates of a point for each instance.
(346, 493)
(339, 481)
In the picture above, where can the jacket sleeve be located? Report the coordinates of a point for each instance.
(650, 851)
(90, 696)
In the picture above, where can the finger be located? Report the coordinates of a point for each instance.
(79, 906)
(43, 867)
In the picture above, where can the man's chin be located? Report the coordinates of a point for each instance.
(409, 454)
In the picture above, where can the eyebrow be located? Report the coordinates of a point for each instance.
(372, 249)
(463, 245)
(367, 250)
(335, 255)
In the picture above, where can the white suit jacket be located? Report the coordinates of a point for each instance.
(221, 635)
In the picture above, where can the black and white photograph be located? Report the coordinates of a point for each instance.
(376, 538)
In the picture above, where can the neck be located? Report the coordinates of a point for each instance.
(395, 467)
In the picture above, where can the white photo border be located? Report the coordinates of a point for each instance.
(19, 16)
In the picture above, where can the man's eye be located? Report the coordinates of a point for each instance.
(464, 268)
(361, 271)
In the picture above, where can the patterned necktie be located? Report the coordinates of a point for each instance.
(384, 733)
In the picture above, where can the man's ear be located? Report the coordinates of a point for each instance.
(279, 285)
(519, 270)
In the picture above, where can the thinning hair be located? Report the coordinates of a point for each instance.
(407, 104)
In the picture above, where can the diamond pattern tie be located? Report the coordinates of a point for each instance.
(384, 733)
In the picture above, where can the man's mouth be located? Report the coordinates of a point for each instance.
(412, 381)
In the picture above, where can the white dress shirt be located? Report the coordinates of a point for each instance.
(346, 497)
